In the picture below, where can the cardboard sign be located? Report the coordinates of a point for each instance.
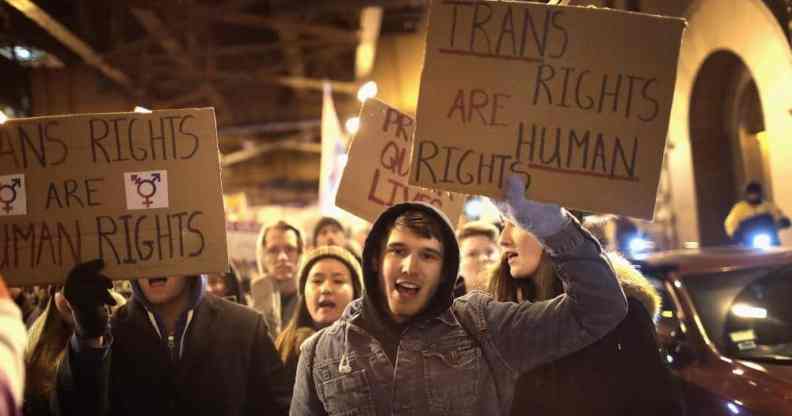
(575, 99)
(141, 191)
(375, 176)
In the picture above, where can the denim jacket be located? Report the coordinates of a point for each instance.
(466, 360)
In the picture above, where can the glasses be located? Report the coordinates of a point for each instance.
(274, 252)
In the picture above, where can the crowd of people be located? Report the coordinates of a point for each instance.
(525, 316)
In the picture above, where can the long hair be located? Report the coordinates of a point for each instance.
(543, 284)
(301, 325)
(49, 338)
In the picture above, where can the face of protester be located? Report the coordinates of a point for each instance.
(163, 290)
(216, 285)
(281, 255)
(754, 197)
(331, 235)
(522, 250)
(478, 252)
(328, 290)
(410, 273)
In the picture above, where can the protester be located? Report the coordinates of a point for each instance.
(755, 221)
(479, 251)
(171, 349)
(329, 232)
(227, 286)
(25, 299)
(274, 291)
(330, 278)
(621, 374)
(407, 347)
(12, 345)
(48, 340)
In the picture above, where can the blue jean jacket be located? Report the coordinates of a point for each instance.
(466, 360)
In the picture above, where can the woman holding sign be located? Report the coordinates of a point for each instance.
(603, 378)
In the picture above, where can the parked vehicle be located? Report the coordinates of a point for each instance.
(726, 327)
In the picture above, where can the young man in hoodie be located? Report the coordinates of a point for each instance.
(172, 349)
(407, 348)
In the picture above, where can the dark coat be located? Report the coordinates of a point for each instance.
(622, 374)
(229, 367)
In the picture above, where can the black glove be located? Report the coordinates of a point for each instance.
(784, 222)
(88, 293)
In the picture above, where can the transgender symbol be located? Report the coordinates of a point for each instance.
(8, 194)
(12, 195)
(145, 190)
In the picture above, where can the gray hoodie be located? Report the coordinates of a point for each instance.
(458, 357)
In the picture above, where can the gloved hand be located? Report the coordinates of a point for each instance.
(784, 222)
(542, 220)
(88, 293)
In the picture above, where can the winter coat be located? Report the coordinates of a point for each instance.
(622, 374)
(227, 365)
(458, 357)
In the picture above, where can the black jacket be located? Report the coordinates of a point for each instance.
(229, 367)
(622, 374)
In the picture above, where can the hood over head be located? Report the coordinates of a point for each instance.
(374, 298)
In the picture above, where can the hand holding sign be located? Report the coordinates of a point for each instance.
(542, 220)
(88, 293)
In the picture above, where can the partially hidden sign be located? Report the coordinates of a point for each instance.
(575, 99)
(141, 191)
(375, 176)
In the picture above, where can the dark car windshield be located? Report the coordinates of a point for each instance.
(747, 313)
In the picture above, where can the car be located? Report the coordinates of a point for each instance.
(725, 328)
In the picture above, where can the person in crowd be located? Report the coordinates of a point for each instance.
(755, 221)
(622, 374)
(479, 251)
(163, 350)
(329, 278)
(26, 300)
(48, 340)
(12, 344)
(227, 286)
(274, 291)
(329, 232)
(407, 347)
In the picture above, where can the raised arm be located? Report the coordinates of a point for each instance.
(531, 334)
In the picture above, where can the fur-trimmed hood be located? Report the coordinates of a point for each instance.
(635, 285)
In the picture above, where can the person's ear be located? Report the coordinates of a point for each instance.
(63, 308)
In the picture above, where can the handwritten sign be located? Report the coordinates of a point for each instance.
(575, 99)
(375, 176)
(141, 191)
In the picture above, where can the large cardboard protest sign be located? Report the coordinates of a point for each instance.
(141, 191)
(375, 176)
(575, 99)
